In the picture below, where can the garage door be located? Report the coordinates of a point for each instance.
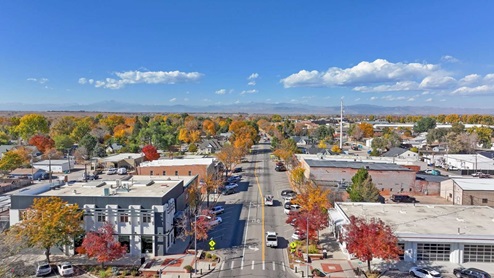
(433, 252)
(478, 253)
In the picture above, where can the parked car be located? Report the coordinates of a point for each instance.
(234, 179)
(280, 163)
(481, 175)
(228, 191)
(470, 273)
(288, 192)
(281, 168)
(298, 235)
(231, 186)
(424, 272)
(217, 210)
(90, 177)
(43, 268)
(215, 221)
(65, 269)
(432, 172)
(237, 170)
(122, 171)
(111, 171)
(269, 200)
(403, 199)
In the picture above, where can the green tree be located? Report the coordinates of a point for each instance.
(424, 124)
(437, 135)
(11, 160)
(32, 124)
(89, 142)
(362, 188)
(49, 222)
(63, 142)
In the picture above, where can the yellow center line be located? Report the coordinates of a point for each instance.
(262, 214)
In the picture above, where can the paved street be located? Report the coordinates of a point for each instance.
(248, 254)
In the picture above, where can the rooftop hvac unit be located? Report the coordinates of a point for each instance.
(106, 191)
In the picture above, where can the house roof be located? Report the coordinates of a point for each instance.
(178, 162)
(355, 165)
(394, 152)
(6, 148)
(53, 162)
(25, 171)
(121, 156)
(475, 184)
(210, 142)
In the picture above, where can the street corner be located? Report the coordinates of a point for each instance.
(207, 262)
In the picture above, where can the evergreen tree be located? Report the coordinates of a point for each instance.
(362, 188)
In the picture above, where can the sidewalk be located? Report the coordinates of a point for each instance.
(336, 265)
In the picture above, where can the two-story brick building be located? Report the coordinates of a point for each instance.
(203, 167)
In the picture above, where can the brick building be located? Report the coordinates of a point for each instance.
(203, 167)
(389, 178)
(469, 191)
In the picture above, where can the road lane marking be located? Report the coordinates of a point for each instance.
(263, 265)
(242, 264)
(252, 265)
(231, 267)
(246, 231)
(274, 266)
(262, 214)
(283, 266)
(223, 266)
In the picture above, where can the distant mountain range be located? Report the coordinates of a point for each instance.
(249, 108)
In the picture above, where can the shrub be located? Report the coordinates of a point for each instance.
(208, 256)
(134, 272)
(103, 274)
(214, 257)
(313, 249)
(189, 268)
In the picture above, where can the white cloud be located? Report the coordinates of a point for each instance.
(373, 98)
(220, 92)
(478, 90)
(252, 83)
(449, 59)
(411, 99)
(425, 93)
(38, 80)
(438, 82)
(145, 77)
(378, 71)
(429, 100)
(398, 86)
(173, 99)
(253, 76)
(253, 91)
(470, 79)
(82, 80)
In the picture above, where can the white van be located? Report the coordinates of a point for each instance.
(122, 171)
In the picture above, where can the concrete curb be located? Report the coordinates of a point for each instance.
(220, 260)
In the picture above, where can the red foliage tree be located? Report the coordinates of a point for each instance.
(150, 152)
(317, 217)
(203, 226)
(102, 245)
(43, 143)
(371, 239)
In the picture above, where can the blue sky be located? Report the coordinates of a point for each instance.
(389, 53)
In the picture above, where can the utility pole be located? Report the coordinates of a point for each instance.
(341, 125)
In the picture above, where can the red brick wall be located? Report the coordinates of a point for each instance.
(183, 170)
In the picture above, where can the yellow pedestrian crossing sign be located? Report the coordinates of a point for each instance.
(293, 246)
(212, 243)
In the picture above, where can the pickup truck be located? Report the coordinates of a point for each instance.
(271, 239)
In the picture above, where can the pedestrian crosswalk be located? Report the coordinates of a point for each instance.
(264, 265)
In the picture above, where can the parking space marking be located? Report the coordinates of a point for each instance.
(252, 265)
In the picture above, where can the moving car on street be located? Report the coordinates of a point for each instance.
(272, 239)
(269, 200)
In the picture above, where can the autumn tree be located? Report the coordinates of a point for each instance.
(102, 245)
(335, 149)
(42, 142)
(362, 188)
(202, 225)
(322, 145)
(230, 156)
(424, 124)
(13, 159)
(209, 127)
(150, 152)
(317, 218)
(297, 176)
(49, 222)
(484, 135)
(356, 132)
(31, 124)
(89, 143)
(367, 129)
(371, 239)
(286, 149)
(312, 195)
(462, 143)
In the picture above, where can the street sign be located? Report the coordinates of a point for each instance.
(212, 243)
(293, 246)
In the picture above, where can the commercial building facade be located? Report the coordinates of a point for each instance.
(468, 191)
(142, 209)
(428, 233)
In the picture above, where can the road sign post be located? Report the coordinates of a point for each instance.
(212, 243)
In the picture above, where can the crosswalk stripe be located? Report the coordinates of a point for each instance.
(242, 265)
(232, 264)
(283, 265)
(252, 265)
(263, 266)
(222, 265)
(274, 266)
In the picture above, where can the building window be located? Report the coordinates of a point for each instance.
(146, 244)
(450, 195)
(164, 173)
(146, 218)
(125, 240)
(190, 173)
(391, 189)
(124, 217)
(101, 217)
(176, 173)
(433, 252)
(151, 173)
(484, 201)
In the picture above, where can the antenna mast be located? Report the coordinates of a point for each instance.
(341, 125)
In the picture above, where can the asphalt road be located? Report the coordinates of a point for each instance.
(241, 236)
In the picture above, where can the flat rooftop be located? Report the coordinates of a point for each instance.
(475, 184)
(427, 219)
(178, 162)
(139, 186)
(355, 165)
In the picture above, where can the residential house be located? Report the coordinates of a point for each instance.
(29, 173)
(401, 153)
(209, 146)
(113, 148)
(130, 161)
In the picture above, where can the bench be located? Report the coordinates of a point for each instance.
(313, 256)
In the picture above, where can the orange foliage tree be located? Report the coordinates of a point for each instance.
(102, 245)
(230, 156)
(150, 152)
(367, 129)
(209, 127)
(42, 143)
(50, 221)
